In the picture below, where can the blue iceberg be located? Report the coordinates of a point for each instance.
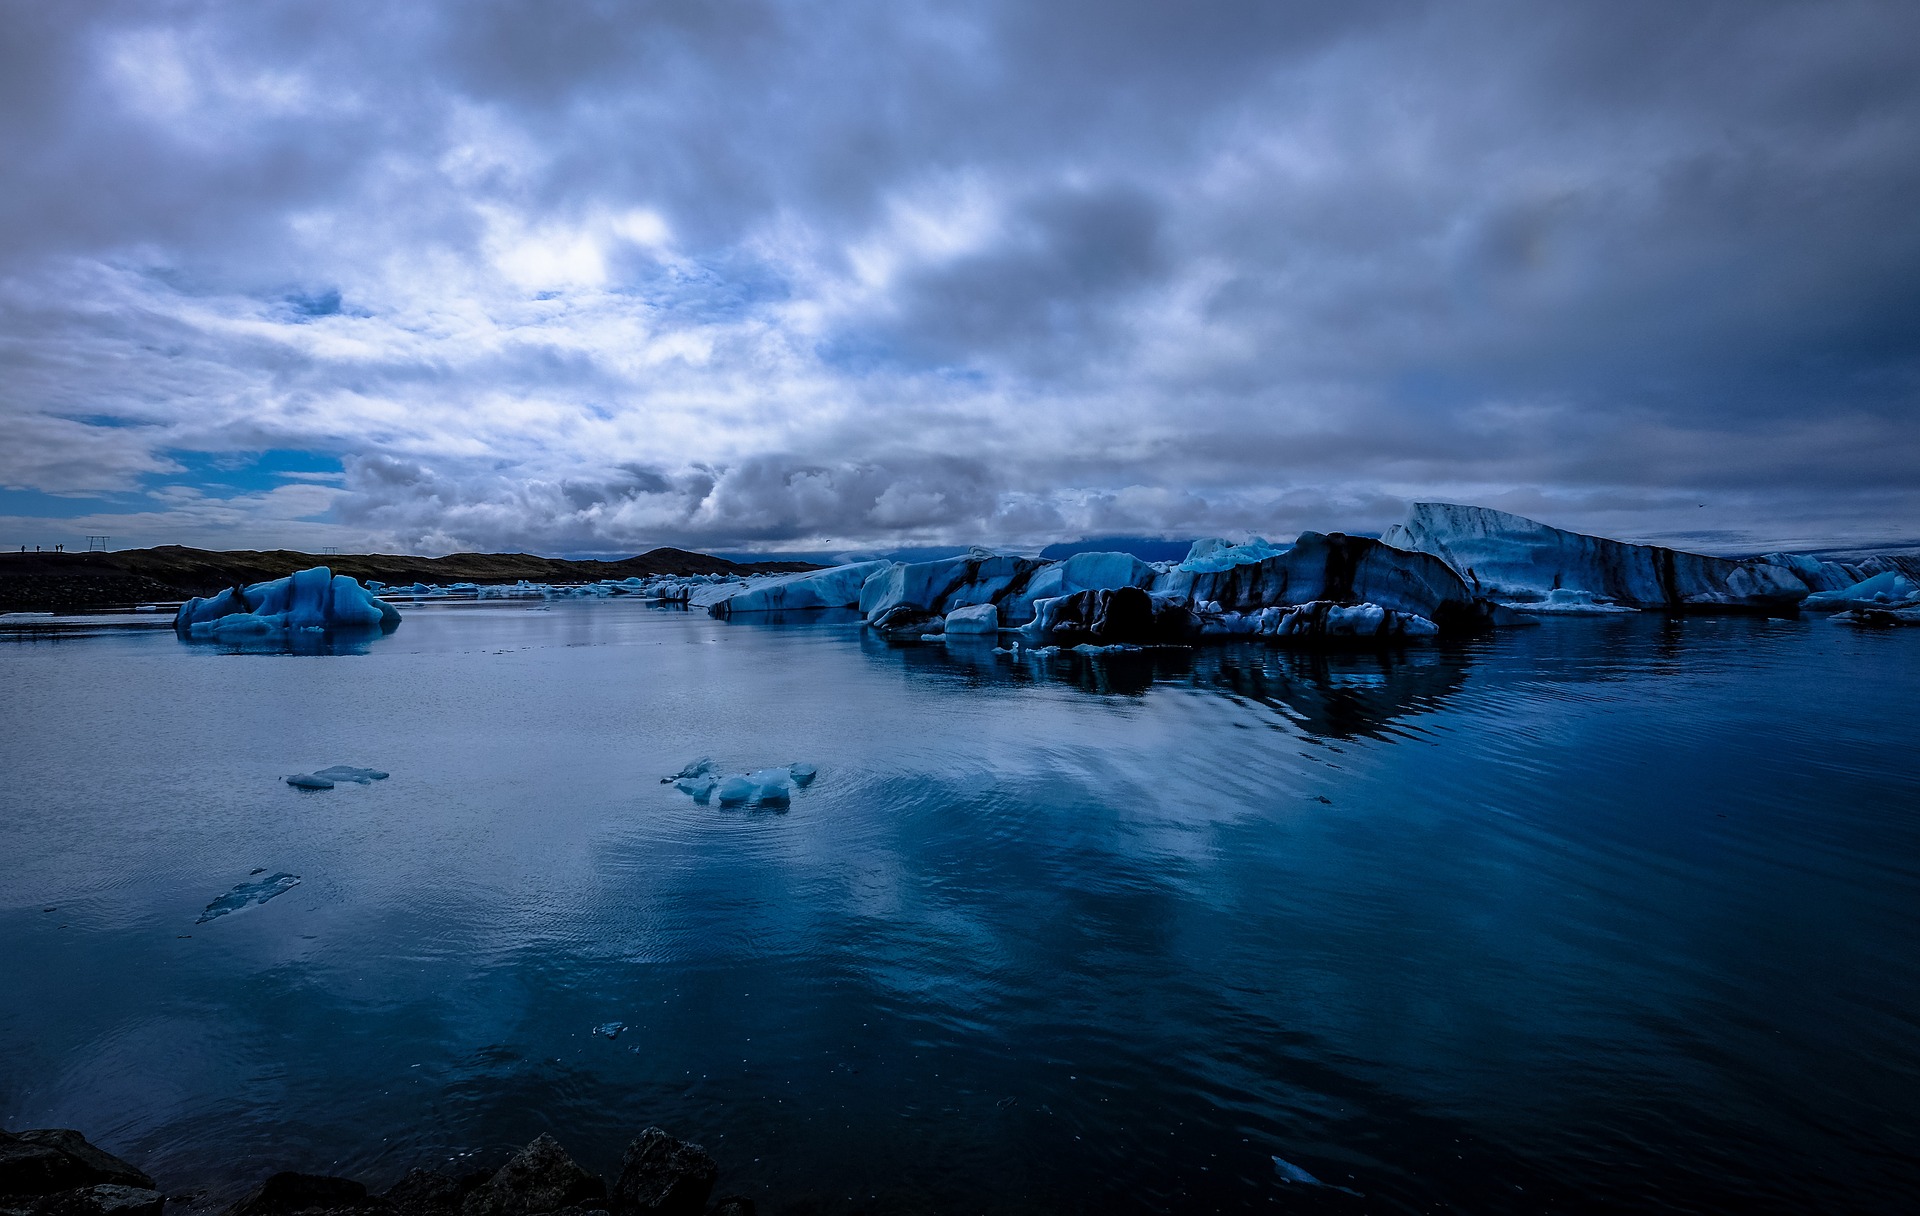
(316, 600)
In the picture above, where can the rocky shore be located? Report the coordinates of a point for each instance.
(56, 1172)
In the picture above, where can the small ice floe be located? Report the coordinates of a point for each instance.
(610, 1030)
(1293, 1173)
(983, 619)
(327, 778)
(1571, 601)
(248, 894)
(766, 787)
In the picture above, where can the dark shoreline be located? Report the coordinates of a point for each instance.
(71, 582)
(57, 1172)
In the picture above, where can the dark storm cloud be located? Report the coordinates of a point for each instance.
(602, 276)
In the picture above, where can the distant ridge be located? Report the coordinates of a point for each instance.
(64, 582)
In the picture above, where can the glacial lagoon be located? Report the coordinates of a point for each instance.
(1612, 910)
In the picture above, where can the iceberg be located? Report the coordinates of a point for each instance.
(1212, 555)
(315, 599)
(938, 587)
(1081, 572)
(1888, 589)
(1338, 568)
(1515, 559)
(976, 620)
(838, 587)
(1105, 618)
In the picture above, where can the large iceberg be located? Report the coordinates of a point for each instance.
(315, 599)
(938, 587)
(1125, 615)
(1336, 568)
(1081, 572)
(1512, 558)
(838, 587)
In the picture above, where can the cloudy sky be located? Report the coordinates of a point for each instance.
(747, 275)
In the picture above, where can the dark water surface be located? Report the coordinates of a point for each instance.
(1616, 911)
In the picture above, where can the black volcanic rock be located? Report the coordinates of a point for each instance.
(430, 1193)
(106, 1199)
(662, 1176)
(288, 1192)
(46, 1160)
(540, 1178)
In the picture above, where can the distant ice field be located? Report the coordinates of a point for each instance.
(1614, 910)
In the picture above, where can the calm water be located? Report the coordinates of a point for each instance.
(1621, 911)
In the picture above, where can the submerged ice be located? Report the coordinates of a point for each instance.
(248, 895)
(327, 778)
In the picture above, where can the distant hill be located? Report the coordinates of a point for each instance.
(65, 582)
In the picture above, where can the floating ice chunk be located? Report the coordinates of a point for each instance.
(695, 768)
(1566, 601)
(736, 791)
(248, 894)
(770, 786)
(610, 1030)
(1880, 618)
(326, 778)
(346, 772)
(1889, 588)
(1320, 620)
(701, 787)
(974, 619)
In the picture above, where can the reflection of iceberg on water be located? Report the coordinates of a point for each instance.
(314, 601)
